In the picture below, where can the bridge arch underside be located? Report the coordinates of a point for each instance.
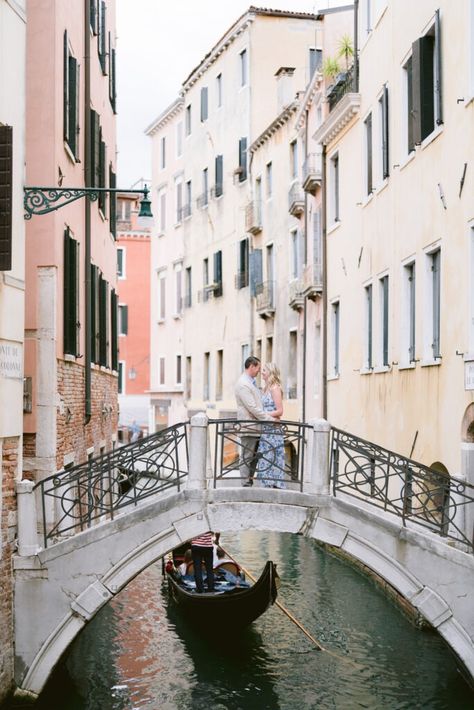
(59, 590)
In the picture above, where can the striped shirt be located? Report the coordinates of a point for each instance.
(204, 540)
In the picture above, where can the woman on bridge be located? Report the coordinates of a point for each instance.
(271, 453)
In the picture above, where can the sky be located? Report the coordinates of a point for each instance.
(159, 42)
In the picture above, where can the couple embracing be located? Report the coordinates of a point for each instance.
(262, 448)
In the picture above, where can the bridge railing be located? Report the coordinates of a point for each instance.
(271, 453)
(77, 498)
(414, 492)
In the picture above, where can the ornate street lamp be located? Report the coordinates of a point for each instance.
(42, 200)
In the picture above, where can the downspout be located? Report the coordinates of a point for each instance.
(325, 287)
(305, 300)
(355, 77)
(87, 213)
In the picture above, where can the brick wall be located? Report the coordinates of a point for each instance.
(9, 463)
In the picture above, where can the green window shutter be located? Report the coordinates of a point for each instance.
(113, 329)
(219, 175)
(438, 71)
(6, 171)
(113, 204)
(243, 159)
(385, 135)
(102, 171)
(112, 74)
(102, 321)
(94, 308)
(102, 38)
(72, 107)
(422, 87)
(255, 269)
(95, 149)
(124, 320)
(66, 88)
(71, 294)
(93, 15)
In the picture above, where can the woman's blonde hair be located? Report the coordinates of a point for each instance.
(273, 374)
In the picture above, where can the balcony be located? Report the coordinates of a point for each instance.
(265, 299)
(213, 290)
(312, 173)
(217, 190)
(296, 200)
(203, 200)
(313, 280)
(296, 293)
(253, 217)
(342, 86)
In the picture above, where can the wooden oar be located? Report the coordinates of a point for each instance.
(292, 618)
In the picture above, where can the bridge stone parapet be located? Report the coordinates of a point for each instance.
(59, 589)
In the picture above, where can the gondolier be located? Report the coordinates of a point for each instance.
(202, 550)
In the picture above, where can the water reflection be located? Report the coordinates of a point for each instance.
(140, 653)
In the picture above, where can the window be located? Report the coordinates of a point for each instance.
(162, 370)
(163, 152)
(121, 253)
(102, 201)
(270, 262)
(162, 296)
(219, 374)
(206, 375)
(112, 204)
(434, 259)
(218, 189)
(188, 288)
(204, 104)
(244, 354)
(188, 393)
(121, 377)
(292, 365)
(103, 322)
(269, 349)
(114, 328)
(384, 136)
(243, 264)
(242, 159)
(187, 206)
(122, 319)
(294, 254)
(315, 60)
(243, 68)
(179, 296)
(258, 348)
(179, 139)
(162, 211)
(112, 76)
(219, 90)
(368, 329)
(93, 16)
(205, 279)
(426, 82)
(269, 176)
(123, 210)
(204, 201)
(71, 99)
(258, 200)
(101, 45)
(409, 130)
(94, 272)
(409, 312)
(368, 154)
(71, 294)
(187, 119)
(294, 159)
(384, 313)
(179, 201)
(335, 327)
(179, 377)
(218, 274)
(334, 188)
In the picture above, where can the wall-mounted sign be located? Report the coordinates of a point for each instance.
(11, 360)
(469, 375)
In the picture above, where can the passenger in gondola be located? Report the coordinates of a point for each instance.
(182, 568)
(202, 552)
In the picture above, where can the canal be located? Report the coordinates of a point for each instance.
(138, 653)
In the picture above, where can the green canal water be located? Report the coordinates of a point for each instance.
(138, 653)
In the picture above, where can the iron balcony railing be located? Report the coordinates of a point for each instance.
(78, 498)
(253, 217)
(313, 279)
(265, 298)
(414, 492)
(296, 199)
(296, 293)
(312, 172)
(342, 86)
(271, 452)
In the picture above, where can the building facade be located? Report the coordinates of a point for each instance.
(201, 179)
(133, 320)
(71, 358)
(12, 285)
(399, 232)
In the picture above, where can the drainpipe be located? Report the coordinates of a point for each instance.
(355, 76)
(305, 300)
(325, 287)
(87, 213)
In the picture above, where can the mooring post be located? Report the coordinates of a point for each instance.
(27, 519)
(316, 474)
(198, 452)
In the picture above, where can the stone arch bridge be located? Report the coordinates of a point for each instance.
(105, 521)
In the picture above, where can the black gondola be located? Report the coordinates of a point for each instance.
(235, 603)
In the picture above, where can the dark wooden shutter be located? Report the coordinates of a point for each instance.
(218, 273)
(204, 103)
(112, 70)
(422, 86)
(71, 293)
(368, 134)
(438, 71)
(94, 314)
(102, 171)
(73, 105)
(113, 204)
(95, 149)
(385, 322)
(102, 320)
(93, 16)
(102, 38)
(65, 87)
(436, 292)
(243, 159)
(385, 135)
(255, 270)
(219, 175)
(124, 318)
(113, 329)
(6, 174)
(368, 291)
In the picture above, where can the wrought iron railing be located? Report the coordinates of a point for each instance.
(343, 85)
(398, 485)
(272, 452)
(79, 497)
(253, 217)
(265, 296)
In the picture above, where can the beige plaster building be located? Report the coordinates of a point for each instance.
(399, 231)
(12, 284)
(71, 326)
(203, 180)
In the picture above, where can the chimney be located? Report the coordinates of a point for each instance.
(285, 90)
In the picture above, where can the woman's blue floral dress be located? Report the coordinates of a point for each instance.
(271, 454)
